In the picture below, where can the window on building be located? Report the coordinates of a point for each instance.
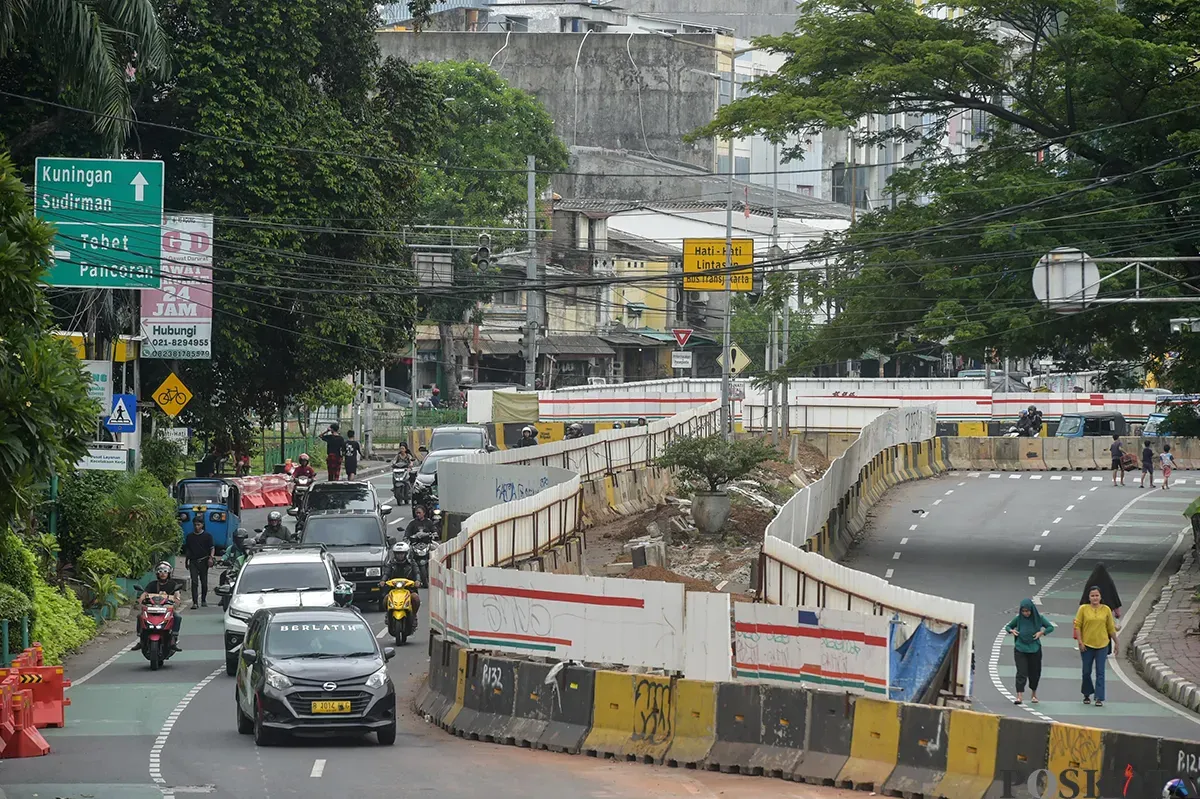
(741, 166)
(506, 298)
(722, 165)
(723, 91)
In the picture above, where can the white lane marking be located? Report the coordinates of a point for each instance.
(912, 527)
(903, 541)
(1057, 519)
(997, 645)
(925, 515)
(379, 635)
(1045, 533)
(1031, 582)
(1093, 488)
(994, 476)
(1014, 477)
(888, 574)
(1070, 507)
(1037, 547)
(1077, 478)
(1032, 563)
(895, 556)
(973, 474)
(1035, 477)
(1082, 496)
(124, 648)
(1097, 479)
(962, 484)
(937, 502)
(318, 768)
(1056, 477)
(397, 520)
(951, 491)
(160, 742)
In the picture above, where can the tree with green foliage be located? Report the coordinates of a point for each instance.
(86, 52)
(464, 115)
(715, 462)
(46, 417)
(1087, 144)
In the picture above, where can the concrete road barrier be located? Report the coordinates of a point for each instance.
(695, 728)
(874, 745)
(1130, 766)
(1032, 454)
(1054, 452)
(830, 730)
(632, 716)
(1021, 749)
(921, 755)
(739, 732)
(971, 747)
(784, 731)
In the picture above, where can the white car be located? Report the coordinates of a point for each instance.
(301, 577)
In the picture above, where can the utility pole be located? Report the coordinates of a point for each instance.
(726, 342)
(531, 274)
(773, 360)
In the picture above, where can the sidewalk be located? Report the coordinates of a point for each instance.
(1167, 648)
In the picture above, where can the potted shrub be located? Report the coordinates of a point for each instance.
(714, 462)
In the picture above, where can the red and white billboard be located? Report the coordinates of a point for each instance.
(177, 318)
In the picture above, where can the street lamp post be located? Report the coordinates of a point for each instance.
(726, 337)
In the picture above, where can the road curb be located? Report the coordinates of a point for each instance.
(1179, 690)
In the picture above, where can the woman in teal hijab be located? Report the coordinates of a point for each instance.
(1028, 627)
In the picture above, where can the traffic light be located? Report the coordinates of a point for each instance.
(483, 254)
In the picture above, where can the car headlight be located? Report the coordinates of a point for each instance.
(277, 681)
(378, 679)
(241, 615)
(374, 571)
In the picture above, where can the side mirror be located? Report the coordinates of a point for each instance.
(249, 657)
(423, 449)
(391, 541)
(258, 529)
(389, 652)
(385, 509)
(491, 448)
(292, 511)
(224, 590)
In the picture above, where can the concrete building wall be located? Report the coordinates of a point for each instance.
(642, 98)
(746, 19)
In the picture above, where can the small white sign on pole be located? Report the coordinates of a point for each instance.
(178, 436)
(100, 389)
(681, 359)
(104, 460)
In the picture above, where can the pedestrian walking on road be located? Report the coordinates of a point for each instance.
(1028, 627)
(1117, 455)
(335, 450)
(353, 453)
(199, 551)
(1168, 465)
(1097, 637)
(1147, 464)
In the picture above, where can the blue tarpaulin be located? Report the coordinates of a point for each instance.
(916, 662)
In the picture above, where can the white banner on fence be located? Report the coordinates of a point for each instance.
(471, 487)
(567, 617)
(819, 647)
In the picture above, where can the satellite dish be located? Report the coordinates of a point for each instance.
(1066, 280)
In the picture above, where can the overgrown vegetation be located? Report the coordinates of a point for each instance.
(715, 462)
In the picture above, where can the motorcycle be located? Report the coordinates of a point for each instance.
(402, 619)
(157, 621)
(403, 477)
(422, 544)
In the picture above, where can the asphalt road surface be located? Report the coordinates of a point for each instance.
(137, 734)
(994, 538)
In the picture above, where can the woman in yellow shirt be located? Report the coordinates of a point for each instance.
(1095, 628)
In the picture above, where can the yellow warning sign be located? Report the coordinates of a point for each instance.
(738, 360)
(704, 265)
(27, 679)
(172, 396)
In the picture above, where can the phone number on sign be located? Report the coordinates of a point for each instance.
(184, 354)
(178, 342)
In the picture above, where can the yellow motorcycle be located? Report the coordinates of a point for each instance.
(402, 616)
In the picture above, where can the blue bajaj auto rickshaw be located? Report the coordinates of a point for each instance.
(217, 501)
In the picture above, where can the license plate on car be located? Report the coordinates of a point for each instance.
(330, 707)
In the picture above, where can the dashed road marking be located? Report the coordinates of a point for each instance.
(974, 474)
(318, 768)
(937, 502)
(962, 484)
(888, 574)
(895, 556)
(1037, 547)
(912, 527)
(1097, 479)
(994, 476)
(925, 515)
(1014, 477)
(161, 741)
(1056, 477)
(1077, 478)
(1082, 496)
(1045, 533)
(951, 491)
(1031, 580)
(1093, 488)
(1070, 507)
(903, 541)
(1056, 520)
(1032, 563)
(1035, 477)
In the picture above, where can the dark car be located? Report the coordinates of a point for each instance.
(337, 496)
(358, 543)
(313, 672)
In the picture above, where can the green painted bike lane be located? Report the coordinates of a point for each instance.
(113, 720)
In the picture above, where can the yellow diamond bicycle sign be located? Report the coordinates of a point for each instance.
(172, 396)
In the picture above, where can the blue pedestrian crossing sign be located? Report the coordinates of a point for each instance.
(123, 418)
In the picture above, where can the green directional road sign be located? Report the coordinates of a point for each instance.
(109, 216)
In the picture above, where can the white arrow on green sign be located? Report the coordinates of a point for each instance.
(109, 216)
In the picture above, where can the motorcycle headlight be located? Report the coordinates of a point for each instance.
(374, 571)
(241, 615)
(378, 679)
(277, 681)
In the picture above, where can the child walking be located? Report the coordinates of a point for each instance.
(1168, 465)
(1147, 464)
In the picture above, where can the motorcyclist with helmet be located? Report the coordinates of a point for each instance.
(528, 436)
(276, 532)
(574, 430)
(1176, 789)
(173, 589)
(641, 422)
(420, 524)
(304, 469)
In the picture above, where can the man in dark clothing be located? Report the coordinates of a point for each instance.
(162, 584)
(353, 453)
(199, 549)
(1117, 455)
(335, 450)
(528, 436)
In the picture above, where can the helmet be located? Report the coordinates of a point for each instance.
(575, 430)
(304, 457)
(641, 421)
(1032, 408)
(274, 518)
(436, 390)
(1175, 789)
(163, 568)
(528, 430)
(618, 426)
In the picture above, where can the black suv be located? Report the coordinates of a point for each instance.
(313, 671)
(360, 546)
(337, 496)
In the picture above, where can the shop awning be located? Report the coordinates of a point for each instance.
(489, 346)
(577, 346)
(669, 338)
